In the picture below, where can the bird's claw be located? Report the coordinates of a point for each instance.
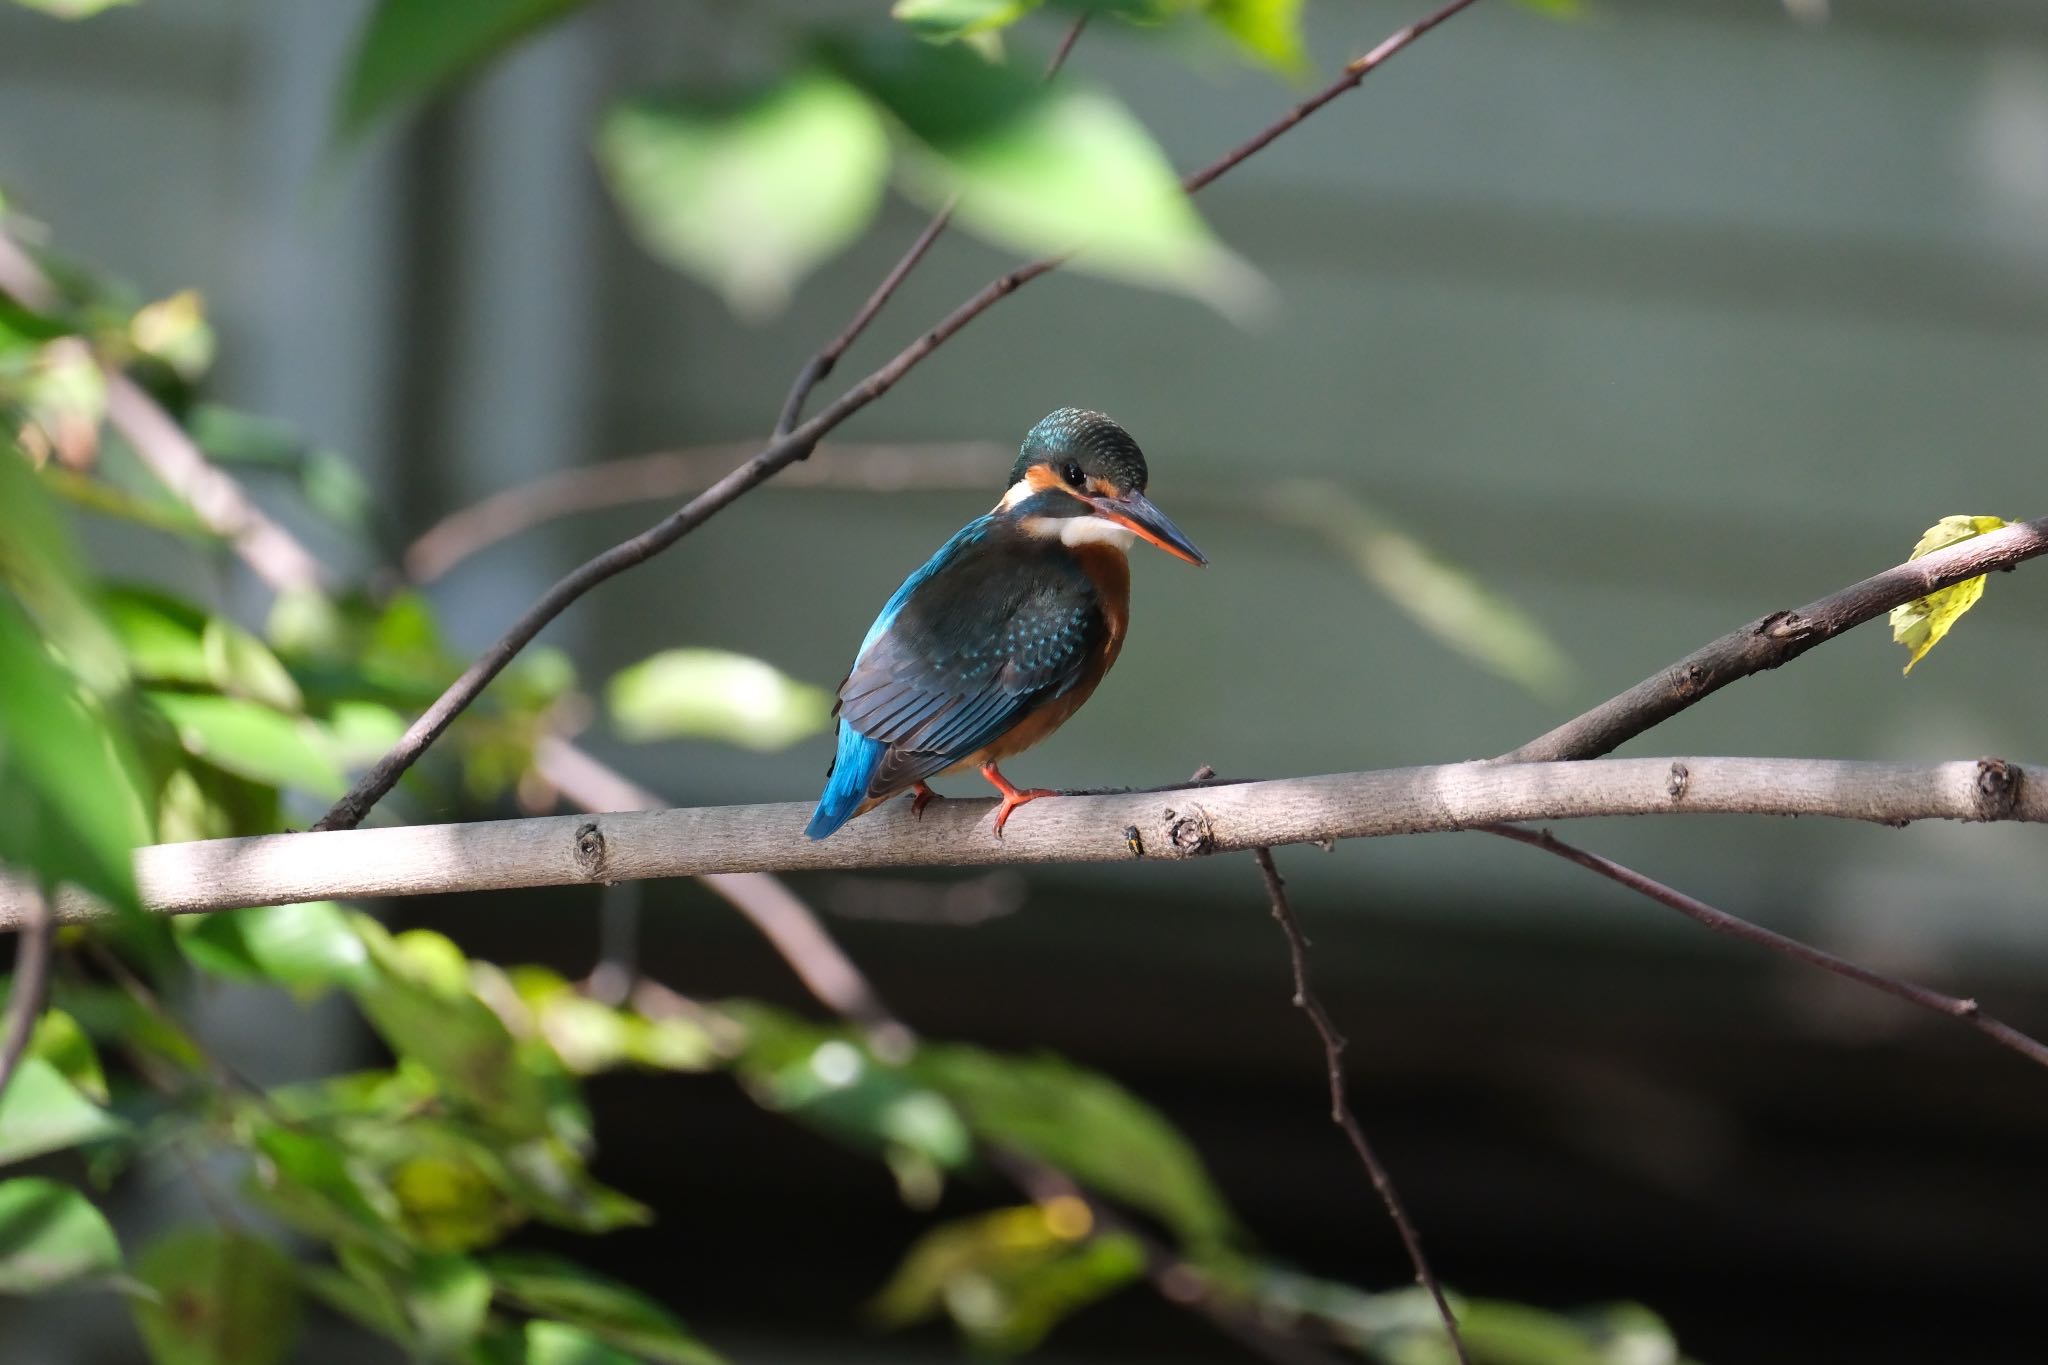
(922, 798)
(1014, 799)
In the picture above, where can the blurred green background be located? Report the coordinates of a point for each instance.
(1654, 320)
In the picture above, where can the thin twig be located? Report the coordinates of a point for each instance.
(819, 366)
(1073, 35)
(1777, 639)
(1721, 922)
(1356, 70)
(349, 811)
(31, 987)
(1306, 1000)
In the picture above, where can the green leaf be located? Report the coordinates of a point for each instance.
(175, 331)
(947, 20)
(1007, 1278)
(1402, 1327)
(1442, 598)
(713, 694)
(252, 740)
(749, 193)
(219, 1298)
(314, 1183)
(51, 1235)
(613, 1313)
(241, 665)
(72, 811)
(1920, 624)
(59, 1041)
(161, 634)
(72, 9)
(372, 1306)
(48, 580)
(1268, 30)
(1044, 169)
(824, 1078)
(304, 947)
(557, 1343)
(420, 1001)
(446, 1297)
(1086, 1125)
(40, 1112)
(413, 49)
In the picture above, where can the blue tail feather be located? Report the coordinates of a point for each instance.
(847, 787)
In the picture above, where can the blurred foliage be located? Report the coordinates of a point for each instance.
(395, 1197)
(1920, 624)
(1438, 595)
(714, 694)
(751, 191)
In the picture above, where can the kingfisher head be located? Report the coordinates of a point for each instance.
(1081, 478)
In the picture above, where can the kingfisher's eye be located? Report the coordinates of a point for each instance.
(1071, 472)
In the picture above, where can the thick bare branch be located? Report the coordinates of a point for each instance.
(796, 445)
(1171, 823)
(1309, 1003)
(1721, 922)
(1776, 639)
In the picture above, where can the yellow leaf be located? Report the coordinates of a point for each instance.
(1920, 624)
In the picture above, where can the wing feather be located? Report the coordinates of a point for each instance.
(995, 626)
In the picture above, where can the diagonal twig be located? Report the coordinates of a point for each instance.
(1777, 639)
(1306, 1000)
(778, 453)
(819, 366)
(1721, 922)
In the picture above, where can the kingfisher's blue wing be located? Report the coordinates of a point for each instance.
(995, 626)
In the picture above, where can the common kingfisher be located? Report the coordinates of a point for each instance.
(1005, 631)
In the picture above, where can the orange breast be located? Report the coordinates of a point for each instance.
(1110, 571)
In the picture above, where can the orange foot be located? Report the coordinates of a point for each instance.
(922, 798)
(1012, 797)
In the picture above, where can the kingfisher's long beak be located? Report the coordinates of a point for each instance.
(1136, 511)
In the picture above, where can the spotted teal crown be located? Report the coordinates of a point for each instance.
(1103, 448)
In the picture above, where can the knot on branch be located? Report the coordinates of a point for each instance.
(591, 853)
(1189, 832)
(1997, 788)
(1780, 631)
(1688, 682)
(1678, 781)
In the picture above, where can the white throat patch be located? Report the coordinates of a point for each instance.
(1081, 531)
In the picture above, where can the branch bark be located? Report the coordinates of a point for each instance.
(796, 445)
(1167, 824)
